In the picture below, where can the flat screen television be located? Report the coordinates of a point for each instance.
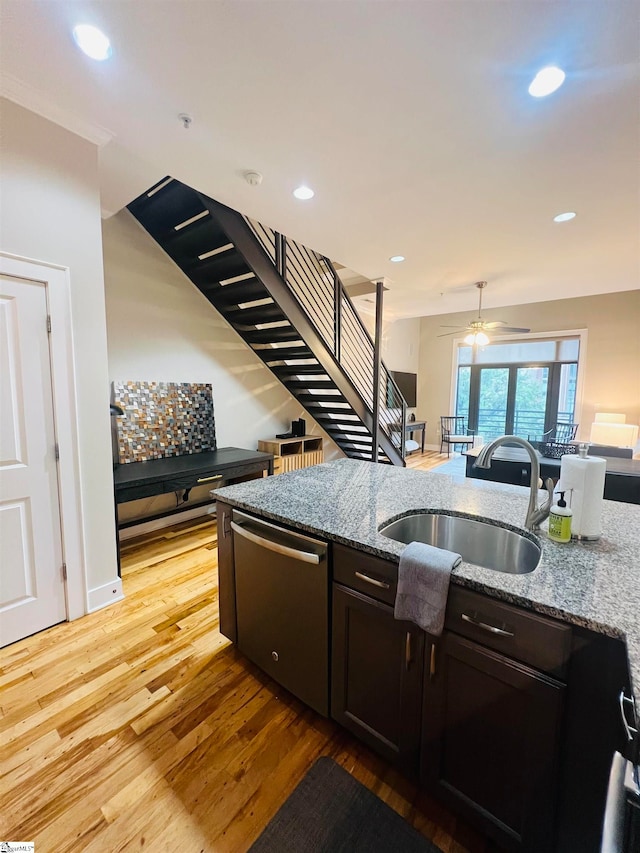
(407, 383)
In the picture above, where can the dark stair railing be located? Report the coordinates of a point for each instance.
(289, 305)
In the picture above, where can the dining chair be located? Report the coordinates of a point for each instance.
(454, 430)
(561, 432)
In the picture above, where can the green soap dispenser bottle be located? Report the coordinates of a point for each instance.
(560, 521)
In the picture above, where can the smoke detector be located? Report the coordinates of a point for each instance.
(254, 179)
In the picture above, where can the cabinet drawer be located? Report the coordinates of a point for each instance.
(190, 481)
(540, 642)
(134, 493)
(212, 478)
(366, 573)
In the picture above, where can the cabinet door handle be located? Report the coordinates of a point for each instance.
(630, 731)
(208, 479)
(367, 579)
(493, 629)
(432, 662)
(407, 650)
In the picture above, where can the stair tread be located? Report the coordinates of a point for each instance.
(286, 354)
(272, 336)
(313, 399)
(252, 316)
(167, 208)
(299, 369)
(217, 268)
(231, 295)
(195, 239)
(324, 384)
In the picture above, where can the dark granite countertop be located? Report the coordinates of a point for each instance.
(592, 584)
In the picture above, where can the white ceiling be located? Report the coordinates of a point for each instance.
(411, 120)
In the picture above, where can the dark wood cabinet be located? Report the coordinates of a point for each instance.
(376, 684)
(593, 730)
(491, 741)
(511, 717)
(226, 573)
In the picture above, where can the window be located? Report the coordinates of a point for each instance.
(521, 387)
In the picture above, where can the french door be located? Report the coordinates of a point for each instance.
(511, 399)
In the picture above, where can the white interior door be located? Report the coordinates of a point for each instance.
(32, 588)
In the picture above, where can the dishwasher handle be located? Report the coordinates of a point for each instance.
(305, 556)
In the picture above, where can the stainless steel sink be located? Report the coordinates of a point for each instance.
(479, 542)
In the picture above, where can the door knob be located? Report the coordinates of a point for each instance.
(274, 655)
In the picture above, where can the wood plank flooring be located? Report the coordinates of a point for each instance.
(428, 460)
(141, 727)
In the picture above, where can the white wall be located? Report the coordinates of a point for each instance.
(160, 327)
(401, 345)
(51, 212)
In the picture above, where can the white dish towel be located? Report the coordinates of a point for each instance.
(424, 573)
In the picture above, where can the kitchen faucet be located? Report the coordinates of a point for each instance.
(535, 514)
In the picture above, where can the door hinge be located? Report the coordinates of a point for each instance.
(48, 324)
(56, 451)
(64, 571)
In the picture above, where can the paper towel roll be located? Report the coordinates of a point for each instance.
(582, 477)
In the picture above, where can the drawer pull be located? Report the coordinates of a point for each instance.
(208, 479)
(493, 629)
(631, 731)
(432, 662)
(407, 651)
(367, 579)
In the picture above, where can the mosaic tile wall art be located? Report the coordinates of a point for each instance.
(163, 419)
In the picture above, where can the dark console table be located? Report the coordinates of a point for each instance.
(175, 473)
(512, 465)
(414, 426)
(214, 468)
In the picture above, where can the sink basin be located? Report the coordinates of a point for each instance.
(478, 542)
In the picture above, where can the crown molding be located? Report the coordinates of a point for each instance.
(32, 99)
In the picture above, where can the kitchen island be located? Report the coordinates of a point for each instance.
(592, 584)
(590, 590)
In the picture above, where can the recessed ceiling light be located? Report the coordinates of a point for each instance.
(92, 41)
(396, 259)
(303, 193)
(546, 81)
(564, 217)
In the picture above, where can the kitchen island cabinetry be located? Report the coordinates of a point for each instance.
(491, 741)
(520, 710)
(226, 573)
(376, 680)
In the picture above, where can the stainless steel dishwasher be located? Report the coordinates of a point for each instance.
(282, 606)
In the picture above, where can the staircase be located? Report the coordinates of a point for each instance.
(288, 304)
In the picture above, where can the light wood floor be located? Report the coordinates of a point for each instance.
(141, 728)
(428, 460)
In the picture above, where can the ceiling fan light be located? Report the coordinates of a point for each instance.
(476, 339)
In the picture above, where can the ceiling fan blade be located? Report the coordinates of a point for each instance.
(447, 326)
(513, 329)
(493, 324)
(446, 334)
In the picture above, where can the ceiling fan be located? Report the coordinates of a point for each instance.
(477, 329)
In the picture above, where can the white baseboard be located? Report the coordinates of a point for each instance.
(104, 595)
(158, 523)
